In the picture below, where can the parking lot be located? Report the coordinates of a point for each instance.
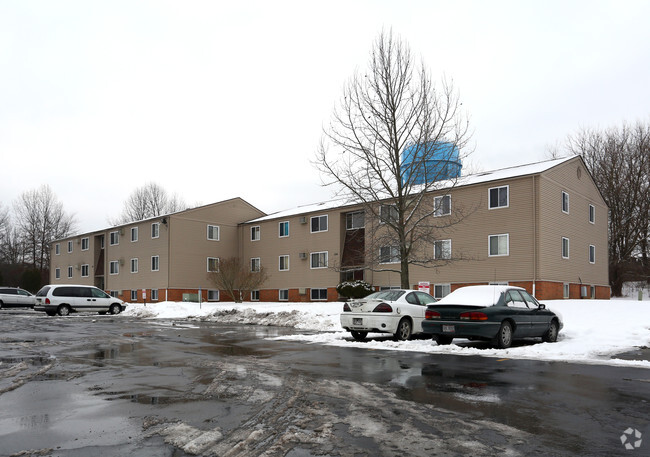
(117, 385)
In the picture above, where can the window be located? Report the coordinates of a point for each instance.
(319, 259)
(566, 290)
(114, 238)
(69, 246)
(57, 249)
(154, 294)
(319, 224)
(213, 295)
(69, 272)
(592, 253)
(134, 295)
(356, 220)
(155, 263)
(114, 293)
(255, 295)
(134, 234)
(85, 244)
(442, 206)
(255, 233)
(592, 214)
(441, 290)
(284, 228)
(155, 230)
(389, 254)
(442, 249)
(565, 248)
(114, 267)
(85, 271)
(255, 264)
(388, 213)
(284, 263)
(284, 295)
(498, 197)
(134, 265)
(565, 202)
(213, 264)
(213, 232)
(499, 245)
(319, 294)
(57, 273)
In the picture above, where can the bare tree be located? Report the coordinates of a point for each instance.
(148, 201)
(386, 149)
(237, 279)
(619, 160)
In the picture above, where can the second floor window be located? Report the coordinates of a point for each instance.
(442, 249)
(389, 254)
(134, 265)
(255, 264)
(84, 271)
(114, 267)
(318, 259)
(499, 245)
(213, 264)
(284, 263)
(155, 263)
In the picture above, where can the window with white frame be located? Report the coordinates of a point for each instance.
(114, 267)
(499, 245)
(255, 233)
(255, 264)
(85, 244)
(566, 290)
(70, 272)
(283, 229)
(388, 213)
(389, 254)
(155, 263)
(498, 197)
(565, 248)
(442, 205)
(592, 253)
(134, 234)
(318, 294)
(283, 295)
(154, 294)
(213, 295)
(565, 202)
(442, 249)
(85, 271)
(255, 295)
(284, 263)
(57, 249)
(134, 265)
(592, 214)
(155, 230)
(57, 273)
(318, 224)
(114, 293)
(134, 295)
(213, 232)
(441, 290)
(114, 238)
(213, 264)
(355, 220)
(318, 259)
(70, 246)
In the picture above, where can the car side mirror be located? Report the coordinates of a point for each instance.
(542, 306)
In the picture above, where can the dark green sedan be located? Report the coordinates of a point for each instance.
(499, 314)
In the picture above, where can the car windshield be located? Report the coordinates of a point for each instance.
(388, 295)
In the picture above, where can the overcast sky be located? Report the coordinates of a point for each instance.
(214, 100)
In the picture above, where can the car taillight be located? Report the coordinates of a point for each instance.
(47, 301)
(383, 308)
(473, 316)
(431, 314)
(346, 308)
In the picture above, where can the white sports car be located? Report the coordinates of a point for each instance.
(395, 311)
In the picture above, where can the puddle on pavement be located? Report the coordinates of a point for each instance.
(37, 361)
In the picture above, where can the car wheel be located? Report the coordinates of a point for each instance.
(403, 330)
(503, 339)
(359, 336)
(114, 309)
(551, 334)
(443, 339)
(63, 310)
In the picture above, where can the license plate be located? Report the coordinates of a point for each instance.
(448, 328)
(357, 321)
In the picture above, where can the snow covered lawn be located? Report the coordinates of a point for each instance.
(594, 330)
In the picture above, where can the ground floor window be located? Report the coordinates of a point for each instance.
(319, 294)
(114, 293)
(213, 295)
(154, 294)
(134, 295)
(284, 294)
(255, 295)
(566, 290)
(441, 290)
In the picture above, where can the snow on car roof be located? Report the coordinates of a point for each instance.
(475, 295)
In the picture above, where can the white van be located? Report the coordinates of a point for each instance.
(63, 300)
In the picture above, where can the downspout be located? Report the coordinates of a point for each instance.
(534, 237)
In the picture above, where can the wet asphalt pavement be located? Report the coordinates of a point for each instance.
(113, 385)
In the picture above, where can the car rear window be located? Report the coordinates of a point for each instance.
(43, 292)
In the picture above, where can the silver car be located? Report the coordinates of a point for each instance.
(15, 297)
(63, 300)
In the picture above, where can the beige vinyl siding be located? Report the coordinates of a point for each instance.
(74, 259)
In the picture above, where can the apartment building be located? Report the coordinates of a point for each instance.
(541, 226)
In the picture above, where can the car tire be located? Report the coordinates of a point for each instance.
(114, 309)
(404, 330)
(443, 339)
(551, 334)
(358, 336)
(503, 340)
(63, 310)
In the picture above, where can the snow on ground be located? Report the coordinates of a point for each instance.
(595, 331)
